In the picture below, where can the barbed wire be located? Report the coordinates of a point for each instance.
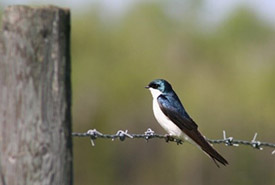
(150, 134)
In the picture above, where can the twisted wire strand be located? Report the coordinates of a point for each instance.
(150, 134)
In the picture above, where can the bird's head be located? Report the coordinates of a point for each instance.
(159, 86)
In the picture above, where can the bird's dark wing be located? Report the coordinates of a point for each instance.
(173, 109)
(175, 112)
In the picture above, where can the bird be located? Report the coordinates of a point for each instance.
(173, 118)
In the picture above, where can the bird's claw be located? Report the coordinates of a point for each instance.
(169, 138)
(173, 139)
(179, 141)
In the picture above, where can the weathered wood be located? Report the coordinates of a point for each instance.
(35, 96)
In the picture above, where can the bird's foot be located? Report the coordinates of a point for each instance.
(169, 138)
(173, 139)
(179, 141)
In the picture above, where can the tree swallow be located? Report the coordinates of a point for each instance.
(172, 116)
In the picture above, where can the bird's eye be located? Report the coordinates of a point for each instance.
(155, 86)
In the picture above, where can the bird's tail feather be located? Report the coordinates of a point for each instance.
(207, 148)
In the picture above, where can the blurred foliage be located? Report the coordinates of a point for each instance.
(225, 78)
(227, 75)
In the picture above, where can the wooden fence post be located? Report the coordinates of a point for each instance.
(35, 96)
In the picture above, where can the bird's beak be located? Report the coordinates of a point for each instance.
(147, 87)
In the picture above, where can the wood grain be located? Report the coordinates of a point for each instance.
(35, 96)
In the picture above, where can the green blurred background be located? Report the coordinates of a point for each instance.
(221, 66)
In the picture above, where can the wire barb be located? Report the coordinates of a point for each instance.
(123, 134)
(93, 135)
(229, 141)
(256, 144)
(150, 134)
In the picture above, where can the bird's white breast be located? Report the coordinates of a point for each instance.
(163, 120)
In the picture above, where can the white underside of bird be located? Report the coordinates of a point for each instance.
(164, 121)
